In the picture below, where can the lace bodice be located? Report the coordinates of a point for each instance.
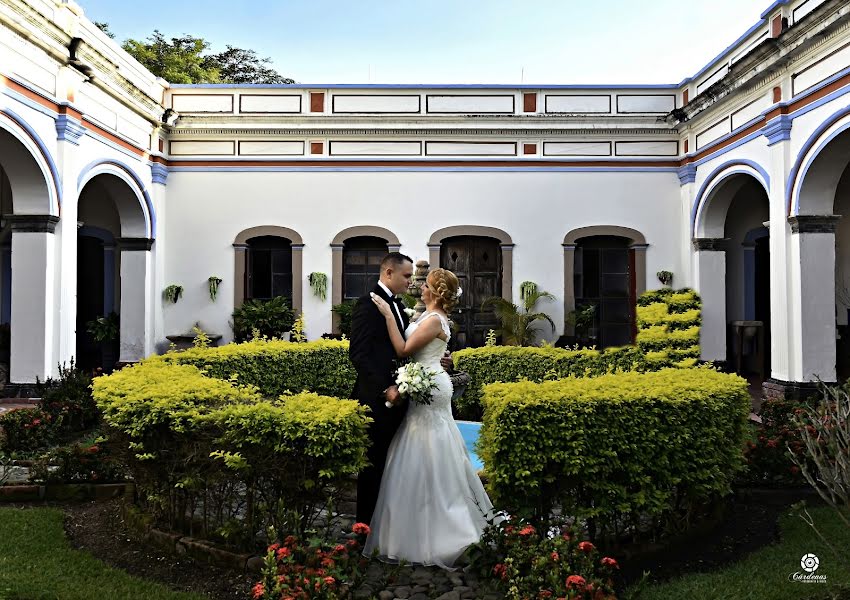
(432, 352)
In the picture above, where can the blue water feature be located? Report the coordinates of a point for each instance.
(469, 430)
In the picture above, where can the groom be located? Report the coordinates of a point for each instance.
(374, 359)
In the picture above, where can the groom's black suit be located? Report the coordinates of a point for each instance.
(374, 359)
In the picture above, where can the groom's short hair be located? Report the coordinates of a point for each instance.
(395, 260)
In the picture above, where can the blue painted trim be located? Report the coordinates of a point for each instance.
(18, 97)
(159, 173)
(794, 181)
(778, 129)
(700, 199)
(68, 129)
(773, 7)
(687, 174)
(425, 86)
(517, 169)
(720, 152)
(54, 172)
(817, 103)
(141, 187)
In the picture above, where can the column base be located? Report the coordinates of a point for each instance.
(776, 389)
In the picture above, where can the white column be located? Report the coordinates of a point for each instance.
(136, 281)
(709, 272)
(156, 335)
(34, 279)
(812, 291)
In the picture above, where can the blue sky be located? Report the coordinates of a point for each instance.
(459, 41)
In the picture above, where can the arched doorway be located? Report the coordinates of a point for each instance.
(732, 268)
(114, 266)
(268, 263)
(819, 207)
(29, 298)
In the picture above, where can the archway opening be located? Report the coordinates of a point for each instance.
(269, 271)
(361, 265)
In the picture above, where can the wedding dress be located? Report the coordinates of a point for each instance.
(432, 504)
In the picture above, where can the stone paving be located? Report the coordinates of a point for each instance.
(10, 404)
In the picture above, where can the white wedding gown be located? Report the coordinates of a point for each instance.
(432, 504)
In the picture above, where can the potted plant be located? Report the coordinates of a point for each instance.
(582, 319)
(172, 293)
(665, 277)
(272, 318)
(213, 282)
(343, 311)
(197, 338)
(105, 331)
(517, 322)
(319, 285)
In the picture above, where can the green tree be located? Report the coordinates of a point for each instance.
(237, 65)
(179, 60)
(104, 27)
(518, 321)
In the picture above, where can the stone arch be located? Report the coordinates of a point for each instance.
(338, 244)
(708, 215)
(138, 218)
(240, 245)
(30, 168)
(637, 247)
(505, 242)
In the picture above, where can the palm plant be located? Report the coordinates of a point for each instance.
(518, 321)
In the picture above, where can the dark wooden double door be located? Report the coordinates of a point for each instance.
(477, 262)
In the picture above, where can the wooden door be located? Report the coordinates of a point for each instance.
(477, 262)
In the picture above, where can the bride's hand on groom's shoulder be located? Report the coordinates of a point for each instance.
(383, 306)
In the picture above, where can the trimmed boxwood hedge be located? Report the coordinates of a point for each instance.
(614, 447)
(213, 456)
(669, 326)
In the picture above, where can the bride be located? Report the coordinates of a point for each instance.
(431, 505)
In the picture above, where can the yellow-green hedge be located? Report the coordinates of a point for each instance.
(615, 446)
(513, 363)
(277, 367)
(197, 444)
(669, 327)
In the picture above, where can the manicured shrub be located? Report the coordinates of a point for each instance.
(669, 327)
(68, 399)
(209, 455)
(276, 367)
(270, 318)
(510, 363)
(614, 448)
(26, 429)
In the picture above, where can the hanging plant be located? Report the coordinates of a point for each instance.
(319, 285)
(173, 292)
(526, 289)
(665, 277)
(214, 283)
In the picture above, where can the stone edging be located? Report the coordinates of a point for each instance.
(65, 491)
(184, 545)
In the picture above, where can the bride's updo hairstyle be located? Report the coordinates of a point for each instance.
(444, 284)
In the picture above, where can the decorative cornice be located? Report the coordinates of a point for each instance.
(778, 129)
(159, 173)
(68, 129)
(134, 244)
(707, 244)
(670, 134)
(32, 223)
(687, 174)
(814, 223)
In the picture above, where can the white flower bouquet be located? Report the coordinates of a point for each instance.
(415, 382)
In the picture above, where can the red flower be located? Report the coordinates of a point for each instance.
(351, 543)
(544, 594)
(607, 561)
(555, 556)
(274, 547)
(509, 529)
(586, 547)
(290, 540)
(339, 548)
(576, 581)
(36, 422)
(527, 530)
(568, 536)
(283, 553)
(794, 469)
(328, 562)
(772, 443)
(500, 571)
(93, 449)
(258, 591)
(361, 529)
(330, 580)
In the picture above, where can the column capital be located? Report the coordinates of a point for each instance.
(687, 174)
(507, 246)
(68, 129)
(159, 173)
(337, 247)
(813, 223)
(569, 247)
(295, 247)
(707, 244)
(641, 247)
(134, 244)
(32, 223)
(778, 129)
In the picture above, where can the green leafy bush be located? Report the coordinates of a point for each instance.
(26, 429)
(208, 455)
(512, 363)
(614, 448)
(768, 462)
(345, 311)
(669, 327)
(276, 367)
(271, 318)
(68, 400)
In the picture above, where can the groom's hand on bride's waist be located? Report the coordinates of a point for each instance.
(446, 361)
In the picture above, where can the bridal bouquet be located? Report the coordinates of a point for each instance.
(415, 382)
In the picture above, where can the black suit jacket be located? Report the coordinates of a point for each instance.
(372, 353)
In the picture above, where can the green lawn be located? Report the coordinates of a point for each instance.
(36, 563)
(763, 575)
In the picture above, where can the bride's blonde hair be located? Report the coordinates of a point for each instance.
(444, 284)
